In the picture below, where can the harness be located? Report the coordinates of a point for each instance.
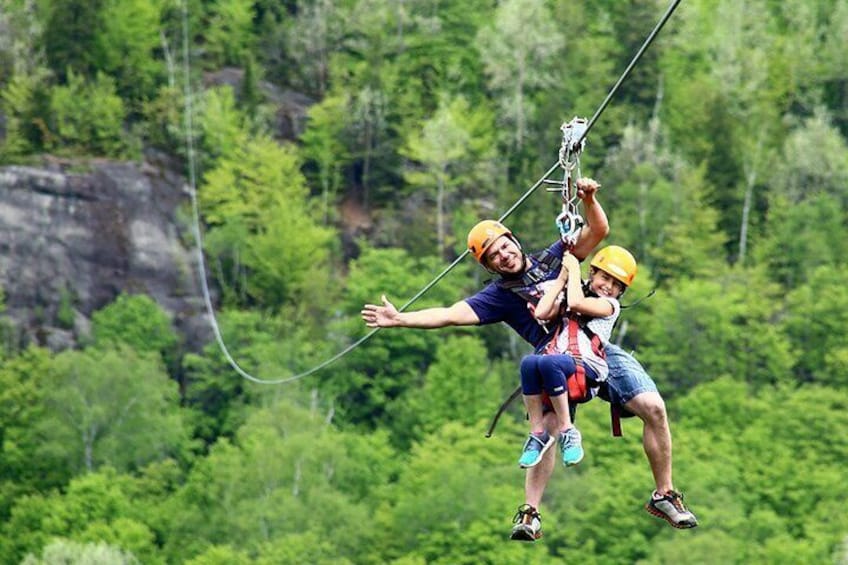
(578, 389)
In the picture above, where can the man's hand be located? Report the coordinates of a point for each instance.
(380, 316)
(586, 188)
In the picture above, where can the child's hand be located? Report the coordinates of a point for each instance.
(570, 262)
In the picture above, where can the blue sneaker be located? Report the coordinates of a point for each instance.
(534, 448)
(571, 446)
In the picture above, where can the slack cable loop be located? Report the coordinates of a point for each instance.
(574, 141)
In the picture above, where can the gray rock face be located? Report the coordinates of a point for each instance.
(80, 236)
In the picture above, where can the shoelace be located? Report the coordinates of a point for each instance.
(525, 514)
(676, 500)
(570, 437)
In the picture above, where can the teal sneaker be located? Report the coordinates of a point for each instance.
(534, 448)
(571, 446)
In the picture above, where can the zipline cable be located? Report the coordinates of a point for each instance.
(201, 262)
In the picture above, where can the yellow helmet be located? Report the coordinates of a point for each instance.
(483, 235)
(618, 262)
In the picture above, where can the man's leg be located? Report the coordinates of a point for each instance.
(631, 386)
(537, 477)
(527, 523)
(656, 436)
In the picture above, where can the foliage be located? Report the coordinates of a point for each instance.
(680, 330)
(516, 61)
(365, 139)
(23, 466)
(228, 33)
(110, 407)
(370, 381)
(454, 150)
(135, 321)
(98, 508)
(61, 551)
(262, 224)
(815, 317)
(126, 46)
(324, 149)
(23, 101)
(87, 117)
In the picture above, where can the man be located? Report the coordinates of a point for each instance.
(496, 249)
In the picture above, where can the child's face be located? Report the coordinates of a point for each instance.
(603, 284)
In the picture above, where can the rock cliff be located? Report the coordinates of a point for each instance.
(75, 235)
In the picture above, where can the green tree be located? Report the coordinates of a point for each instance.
(802, 237)
(222, 126)
(517, 61)
(454, 468)
(324, 147)
(110, 407)
(87, 117)
(816, 313)
(137, 322)
(24, 101)
(98, 508)
(814, 161)
(70, 32)
(23, 468)
(285, 457)
(229, 33)
(125, 47)
(680, 331)
(657, 206)
(262, 225)
(316, 31)
(61, 551)
(454, 148)
(459, 386)
(371, 378)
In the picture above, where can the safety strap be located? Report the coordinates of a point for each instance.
(615, 419)
(578, 391)
(515, 393)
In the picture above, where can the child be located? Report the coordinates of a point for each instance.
(577, 346)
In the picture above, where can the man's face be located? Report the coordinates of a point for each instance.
(504, 256)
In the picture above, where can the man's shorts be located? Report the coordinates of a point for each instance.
(626, 377)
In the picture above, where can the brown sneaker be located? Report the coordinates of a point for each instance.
(528, 524)
(671, 509)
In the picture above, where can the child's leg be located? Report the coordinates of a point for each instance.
(539, 440)
(535, 412)
(531, 387)
(555, 369)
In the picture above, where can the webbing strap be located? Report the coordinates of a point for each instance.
(577, 390)
(615, 420)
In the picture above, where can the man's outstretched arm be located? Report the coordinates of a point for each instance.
(387, 316)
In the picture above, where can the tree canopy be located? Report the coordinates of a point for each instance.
(343, 150)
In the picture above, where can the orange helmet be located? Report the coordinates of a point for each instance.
(483, 235)
(618, 262)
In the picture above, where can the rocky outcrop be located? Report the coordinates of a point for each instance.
(75, 235)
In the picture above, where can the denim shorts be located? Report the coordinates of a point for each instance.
(626, 378)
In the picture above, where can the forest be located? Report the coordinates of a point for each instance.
(723, 159)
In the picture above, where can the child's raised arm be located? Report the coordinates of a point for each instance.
(549, 305)
(577, 301)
